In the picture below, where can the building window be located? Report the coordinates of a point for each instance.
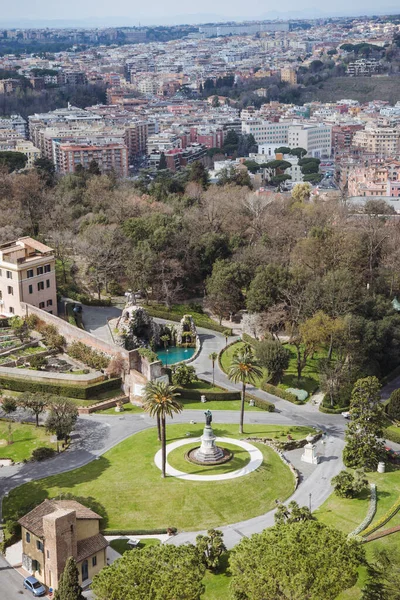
(30, 289)
(47, 283)
(40, 285)
(29, 273)
(11, 310)
(39, 271)
(9, 274)
(28, 537)
(48, 554)
(39, 545)
(10, 290)
(49, 303)
(41, 304)
(47, 268)
(94, 561)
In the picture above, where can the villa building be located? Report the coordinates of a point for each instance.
(56, 530)
(27, 274)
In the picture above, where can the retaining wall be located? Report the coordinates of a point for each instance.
(86, 410)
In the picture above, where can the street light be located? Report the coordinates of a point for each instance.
(309, 501)
(166, 360)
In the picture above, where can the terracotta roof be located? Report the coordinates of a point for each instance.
(28, 241)
(33, 521)
(90, 546)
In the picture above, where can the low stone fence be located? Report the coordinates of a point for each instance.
(87, 410)
(25, 358)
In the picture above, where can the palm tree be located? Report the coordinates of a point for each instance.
(226, 333)
(160, 401)
(244, 369)
(213, 357)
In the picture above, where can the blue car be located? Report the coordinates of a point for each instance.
(34, 586)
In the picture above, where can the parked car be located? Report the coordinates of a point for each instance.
(34, 586)
(346, 414)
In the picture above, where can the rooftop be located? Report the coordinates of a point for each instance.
(33, 521)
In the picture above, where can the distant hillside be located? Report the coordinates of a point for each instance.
(363, 89)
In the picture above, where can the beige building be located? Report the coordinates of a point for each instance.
(56, 530)
(381, 141)
(27, 274)
(289, 75)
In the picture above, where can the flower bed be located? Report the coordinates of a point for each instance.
(370, 514)
(383, 520)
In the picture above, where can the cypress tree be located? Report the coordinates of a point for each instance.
(68, 586)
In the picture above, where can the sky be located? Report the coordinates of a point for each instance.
(133, 12)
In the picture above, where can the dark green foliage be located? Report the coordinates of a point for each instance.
(70, 391)
(348, 485)
(88, 356)
(13, 161)
(183, 374)
(292, 513)
(211, 548)
(9, 405)
(149, 354)
(266, 288)
(272, 355)
(61, 417)
(42, 453)
(393, 407)
(163, 162)
(68, 585)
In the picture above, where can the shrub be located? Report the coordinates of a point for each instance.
(249, 340)
(91, 358)
(89, 301)
(272, 389)
(115, 367)
(52, 338)
(69, 391)
(42, 453)
(393, 406)
(261, 403)
(348, 485)
(37, 361)
(183, 374)
(274, 357)
(148, 354)
(333, 411)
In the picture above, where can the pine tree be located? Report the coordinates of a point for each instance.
(68, 586)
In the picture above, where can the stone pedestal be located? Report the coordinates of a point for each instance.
(381, 467)
(310, 454)
(208, 451)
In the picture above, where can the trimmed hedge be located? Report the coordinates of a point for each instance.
(275, 391)
(199, 321)
(196, 394)
(249, 340)
(391, 435)
(393, 510)
(70, 391)
(135, 531)
(261, 403)
(333, 411)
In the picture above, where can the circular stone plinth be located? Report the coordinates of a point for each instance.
(256, 459)
(191, 457)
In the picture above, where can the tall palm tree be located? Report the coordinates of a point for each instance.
(160, 401)
(213, 357)
(244, 369)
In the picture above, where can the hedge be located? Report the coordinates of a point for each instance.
(370, 514)
(199, 321)
(249, 340)
(275, 391)
(70, 391)
(393, 510)
(333, 411)
(261, 403)
(135, 531)
(196, 394)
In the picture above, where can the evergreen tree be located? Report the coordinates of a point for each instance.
(68, 586)
(163, 162)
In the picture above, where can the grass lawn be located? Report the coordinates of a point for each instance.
(129, 486)
(308, 382)
(78, 401)
(121, 545)
(346, 514)
(25, 439)
(177, 311)
(128, 408)
(217, 584)
(177, 460)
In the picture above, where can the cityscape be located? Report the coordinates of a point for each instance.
(200, 304)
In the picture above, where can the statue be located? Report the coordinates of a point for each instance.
(208, 414)
(130, 298)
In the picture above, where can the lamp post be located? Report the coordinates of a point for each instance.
(309, 501)
(166, 360)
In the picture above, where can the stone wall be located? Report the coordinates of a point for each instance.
(87, 410)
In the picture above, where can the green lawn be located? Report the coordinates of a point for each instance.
(126, 482)
(177, 460)
(121, 545)
(78, 401)
(346, 514)
(25, 439)
(217, 584)
(309, 381)
(177, 311)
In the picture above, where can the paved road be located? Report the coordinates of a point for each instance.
(11, 582)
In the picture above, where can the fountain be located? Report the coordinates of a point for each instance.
(208, 453)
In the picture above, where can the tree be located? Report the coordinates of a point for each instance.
(265, 288)
(299, 152)
(46, 169)
(364, 444)
(211, 547)
(9, 405)
(14, 161)
(393, 407)
(301, 192)
(68, 585)
(227, 334)
(199, 174)
(244, 369)
(282, 150)
(36, 403)
(62, 417)
(311, 334)
(292, 562)
(292, 513)
(274, 357)
(213, 357)
(215, 102)
(164, 572)
(160, 399)
(348, 485)
(94, 168)
(383, 576)
(183, 374)
(224, 288)
(163, 162)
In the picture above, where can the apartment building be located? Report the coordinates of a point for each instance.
(15, 122)
(265, 132)
(56, 530)
(17, 144)
(109, 157)
(316, 139)
(289, 75)
(342, 137)
(383, 142)
(136, 135)
(27, 274)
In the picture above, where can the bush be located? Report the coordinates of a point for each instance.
(333, 411)
(91, 358)
(37, 361)
(149, 354)
(272, 389)
(183, 374)
(69, 391)
(249, 340)
(52, 339)
(274, 357)
(261, 403)
(347, 485)
(42, 453)
(393, 406)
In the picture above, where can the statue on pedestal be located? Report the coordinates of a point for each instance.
(208, 414)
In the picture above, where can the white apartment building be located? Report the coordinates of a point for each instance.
(265, 132)
(316, 139)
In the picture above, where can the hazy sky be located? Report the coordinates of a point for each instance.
(156, 10)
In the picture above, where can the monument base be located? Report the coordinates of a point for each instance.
(208, 453)
(309, 455)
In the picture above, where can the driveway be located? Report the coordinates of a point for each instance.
(95, 321)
